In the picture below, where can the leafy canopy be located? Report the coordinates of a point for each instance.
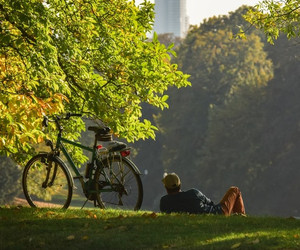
(275, 16)
(83, 56)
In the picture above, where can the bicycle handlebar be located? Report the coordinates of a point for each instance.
(57, 118)
(45, 121)
(68, 115)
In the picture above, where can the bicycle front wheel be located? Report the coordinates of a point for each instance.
(47, 183)
(118, 184)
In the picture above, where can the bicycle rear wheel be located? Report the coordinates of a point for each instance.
(118, 184)
(47, 183)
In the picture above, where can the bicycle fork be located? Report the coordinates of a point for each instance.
(49, 167)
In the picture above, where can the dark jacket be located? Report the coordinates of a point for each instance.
(191, 201)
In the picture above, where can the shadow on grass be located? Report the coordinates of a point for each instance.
(25, 228)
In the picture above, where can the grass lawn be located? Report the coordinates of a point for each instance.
(27, 228)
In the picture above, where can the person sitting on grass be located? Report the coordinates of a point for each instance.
(194, 202)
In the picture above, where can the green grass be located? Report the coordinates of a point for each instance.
(27, 228)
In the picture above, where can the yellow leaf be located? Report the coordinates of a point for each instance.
(50, 213)
(85, 237)
(237, 245)
(91, 215)
(71, 237)
(40, 139)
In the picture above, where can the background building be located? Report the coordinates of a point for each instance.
(171, 17)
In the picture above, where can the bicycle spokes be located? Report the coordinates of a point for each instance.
(46, 183)
(123, 185)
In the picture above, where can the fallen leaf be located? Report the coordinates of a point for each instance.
(85, 237)
(255, 241)
(91, 215)
(168, 246)
(71, 237)
(50, 213)
(296, 236)
(237, 245)
(153, 215)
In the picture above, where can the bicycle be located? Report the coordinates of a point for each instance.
(111, 179)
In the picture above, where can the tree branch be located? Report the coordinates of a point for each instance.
(30, 39)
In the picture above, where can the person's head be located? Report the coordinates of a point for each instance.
(172, 183)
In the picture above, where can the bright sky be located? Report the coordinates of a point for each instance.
(197, 10)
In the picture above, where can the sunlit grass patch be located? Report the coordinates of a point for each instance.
(121, 229)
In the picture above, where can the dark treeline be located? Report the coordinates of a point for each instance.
(238, 124)
(10, 180)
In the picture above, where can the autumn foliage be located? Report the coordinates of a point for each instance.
(91, 57)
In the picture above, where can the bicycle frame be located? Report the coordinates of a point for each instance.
(60, 145)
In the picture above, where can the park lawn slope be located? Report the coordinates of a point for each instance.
(27, 228)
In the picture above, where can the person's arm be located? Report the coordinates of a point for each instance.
(207, 200)
(210, 208)
(163, 206)
(203, 198)
(207, 205)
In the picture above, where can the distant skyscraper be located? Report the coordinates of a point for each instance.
(171, 17)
